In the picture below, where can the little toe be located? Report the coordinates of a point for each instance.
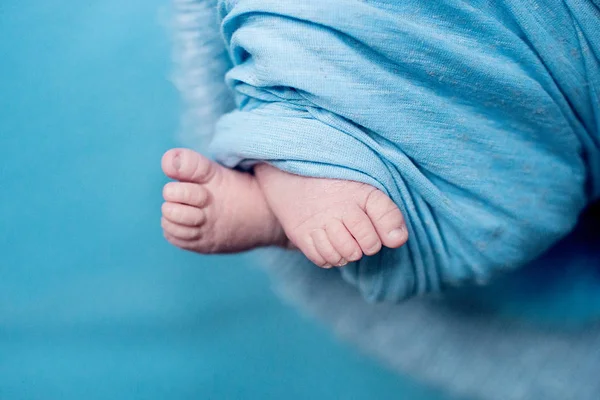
(343, 241)
(185, 193)
(362, 230)
(180, 231)
(306, 245)
(183, 215)
(326, 249)
(188, 166)
(181, 243)
(387, 219)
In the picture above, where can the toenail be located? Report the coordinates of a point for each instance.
(327, 266)
(396, 234)
(374, 249)
(342, 263)
(176, 162)
(356, 255)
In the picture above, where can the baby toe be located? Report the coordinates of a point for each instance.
(180, 231)
(185, 193)
(183, 214)
(362, 230)
(181, 243)
(326, 249)
(343, 241)
(188, 166)
(306, 244)
(387, 219)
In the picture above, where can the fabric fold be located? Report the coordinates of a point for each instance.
(458, 119)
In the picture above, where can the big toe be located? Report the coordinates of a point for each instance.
(387, 220)
(187, 166)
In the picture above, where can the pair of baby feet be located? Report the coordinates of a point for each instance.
(213, 209)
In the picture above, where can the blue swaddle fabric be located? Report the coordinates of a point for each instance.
(480, 119)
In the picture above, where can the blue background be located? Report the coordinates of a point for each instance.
(94, 304)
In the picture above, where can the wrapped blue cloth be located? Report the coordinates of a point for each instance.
(480, 119)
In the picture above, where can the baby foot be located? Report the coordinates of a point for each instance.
(213, 209)
(331, 221)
